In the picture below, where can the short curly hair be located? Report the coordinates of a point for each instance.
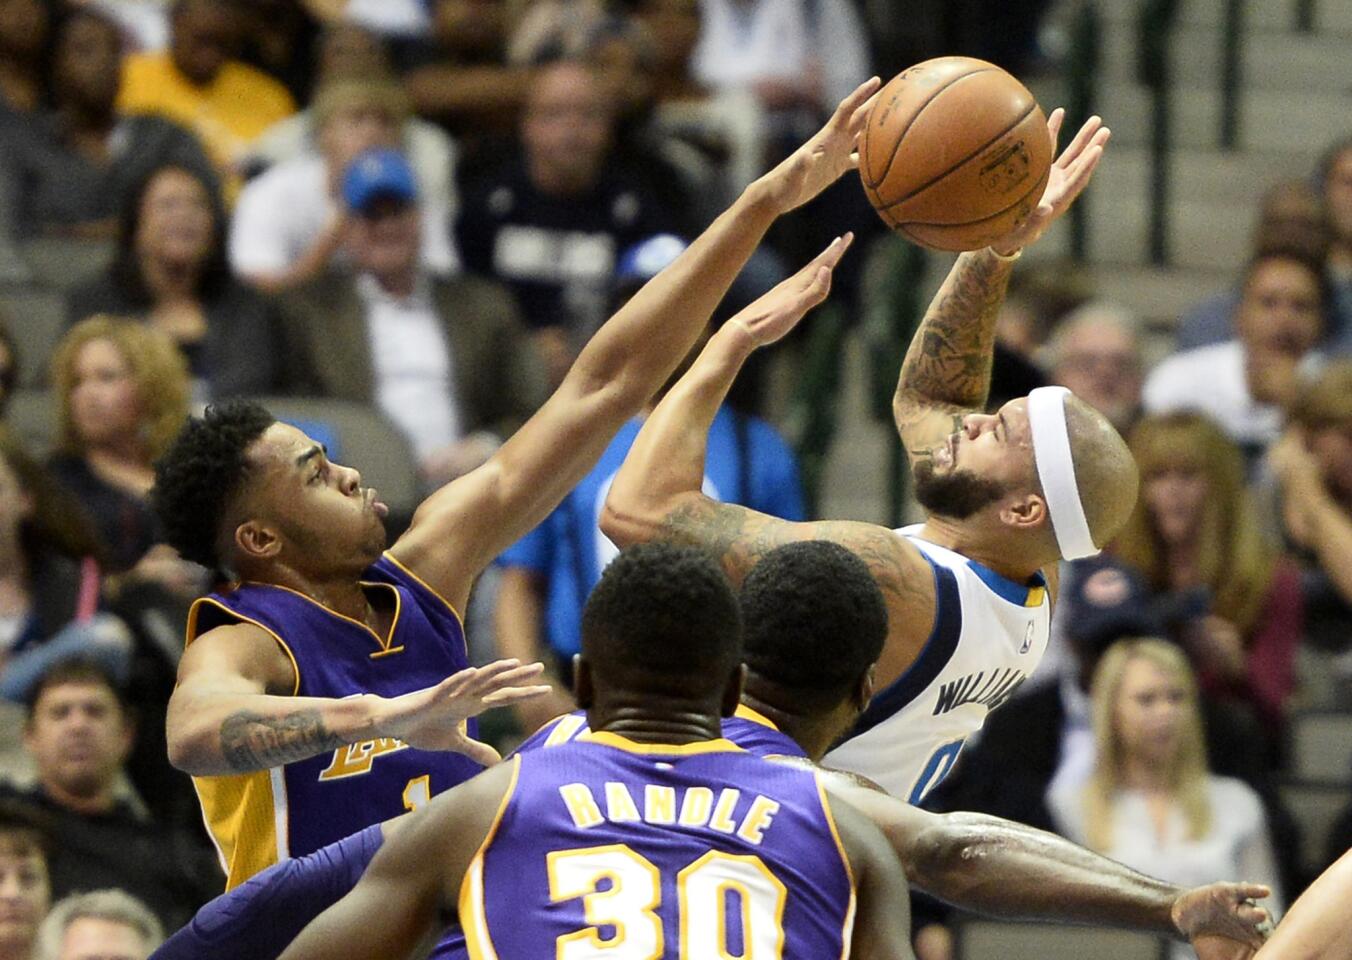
(201, 473)
(663, 615)
(815, 621)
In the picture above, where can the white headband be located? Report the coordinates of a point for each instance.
(1056, 470)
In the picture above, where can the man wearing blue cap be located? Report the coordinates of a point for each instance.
(548, 574)
(445, 358)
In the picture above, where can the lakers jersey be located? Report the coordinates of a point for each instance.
(651, 850)
(256, 819)
(989, 635)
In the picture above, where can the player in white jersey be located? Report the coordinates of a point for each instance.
(1008, 494)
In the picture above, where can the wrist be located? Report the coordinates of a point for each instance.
(1006, 255)
(362, 718)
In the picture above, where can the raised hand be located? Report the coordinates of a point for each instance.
(1070, 174)
(434, 718)
(1221, 920)
(826, 156)
(777, 312)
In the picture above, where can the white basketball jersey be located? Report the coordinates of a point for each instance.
(989, 634)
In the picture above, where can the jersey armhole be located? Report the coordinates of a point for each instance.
(229, 617)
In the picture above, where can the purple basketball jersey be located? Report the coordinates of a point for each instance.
(701, 850)
(257, 819)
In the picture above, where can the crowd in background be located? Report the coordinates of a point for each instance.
(425, 208)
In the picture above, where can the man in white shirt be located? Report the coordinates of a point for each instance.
(445, 358)
(290, 223)
(1244, 383)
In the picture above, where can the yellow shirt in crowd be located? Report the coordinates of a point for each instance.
(227, 114)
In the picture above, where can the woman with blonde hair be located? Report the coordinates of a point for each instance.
(1230, 598)
(123, 394)
(1151, 803)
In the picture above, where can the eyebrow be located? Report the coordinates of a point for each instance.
(310, 454)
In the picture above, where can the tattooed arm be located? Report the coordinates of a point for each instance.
(235, 709)
(657, 494)
(947, 370)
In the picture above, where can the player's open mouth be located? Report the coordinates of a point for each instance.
(381, 509)
(947, 454)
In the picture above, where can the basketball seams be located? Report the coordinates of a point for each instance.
(914, 117)
(985, 146)
(1041, 182)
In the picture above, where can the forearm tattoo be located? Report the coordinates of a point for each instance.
(949, 360)
(251, 741)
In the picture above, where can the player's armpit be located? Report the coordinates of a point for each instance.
(414, 881)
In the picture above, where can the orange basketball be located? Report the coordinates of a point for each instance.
(955, 153)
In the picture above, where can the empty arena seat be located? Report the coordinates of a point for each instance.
(63, 263)
(32, 417)
(1321, 746)
(359, 436)
(997, 940)
(1315, 806)
(36, 319)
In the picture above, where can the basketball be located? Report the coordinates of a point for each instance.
(955, 153)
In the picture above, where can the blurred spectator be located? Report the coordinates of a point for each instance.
(463, 82)
(123, 394)
(345, 51)
(1245, 383)
(103, 925)
(199, 84)
(799, 58)
(71, 168)
(1095, 350)
(1335, 180)
(170, 272)
(49, 578)
(79, 734)
(1290, 215)
(279, 37)
(549, 573)
(550, 221)
(290, 222)
(1232, 601)
(1151, 802)
(1313, 463)
(1037, 300)
(25, 884)
(24, 26)
(446, 358)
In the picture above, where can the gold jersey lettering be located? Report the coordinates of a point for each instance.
(355, 759)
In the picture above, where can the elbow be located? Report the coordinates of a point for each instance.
(188, 744)
(623, 523)
(939, 857)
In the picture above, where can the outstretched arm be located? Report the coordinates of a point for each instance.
(462, 527)
(1317, 926)
(656, 495)
(1005, 869)
(947, 371)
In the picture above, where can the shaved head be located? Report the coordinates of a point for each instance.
(1105, 470)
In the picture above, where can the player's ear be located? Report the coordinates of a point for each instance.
(1026, 512)
(583, 691)
(257, 540)
(732, 693)
(863, 693)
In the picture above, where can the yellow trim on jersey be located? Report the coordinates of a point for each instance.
(848, 929)
(746, 713)
(377, 654)
(192, 633)
(565, 728)
(394, 623)
(608, 739)
(473, 916)
(240, 816)
(428, 587)
(1035, 596)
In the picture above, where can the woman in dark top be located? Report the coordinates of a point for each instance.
(170, 272)
(123, 394)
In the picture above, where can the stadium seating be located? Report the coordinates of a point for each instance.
(1314, 806)
(63, 263)
(992, 940)
(1321, 747)
(36, 319)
